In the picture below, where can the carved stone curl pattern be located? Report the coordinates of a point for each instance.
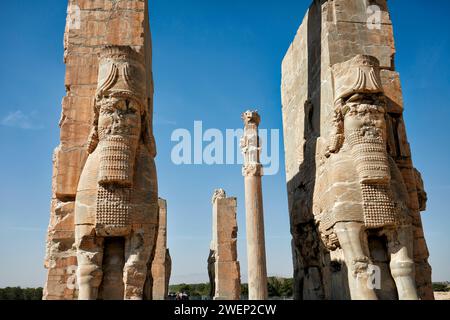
(252, 170)
(250, 143)
(362, 192)
(358, 91)
(218, 194)
(121, 80)
(117, 192)
(120, 53)
(359, 124)
(119, 113)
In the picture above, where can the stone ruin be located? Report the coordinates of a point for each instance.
(162, 262)
(223, 266)
(104, 216)
(116, 206)
(354, 195)
(252, 171)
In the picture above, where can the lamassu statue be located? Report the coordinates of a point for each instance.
(362, 195)
(116, 210)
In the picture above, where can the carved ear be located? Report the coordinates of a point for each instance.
(146, 135)
(93, 135)
(337, 136)
(92, 140)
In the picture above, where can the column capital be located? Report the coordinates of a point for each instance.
(251, 118)
(252, 169)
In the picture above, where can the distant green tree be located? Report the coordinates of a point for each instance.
(38, 294)
(193, 290)
(17, 293)
(32, 294)
(277, 287)
(203, 289)
(287, 287)
(244, 289)
(185, 288)
(14, 293)
(200, 288)
(440, 287)
(274, 287)
(27, 293)
(271, 288)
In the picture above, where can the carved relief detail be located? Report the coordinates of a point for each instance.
(218, 194)
(364, 194)
(113, 211)
(252, 170)
(250, 144)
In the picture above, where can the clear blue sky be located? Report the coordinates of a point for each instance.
(212, 60)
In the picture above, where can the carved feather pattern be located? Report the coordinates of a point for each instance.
(366, 81)
(110, 80)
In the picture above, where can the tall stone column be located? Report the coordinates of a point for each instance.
(252, 172)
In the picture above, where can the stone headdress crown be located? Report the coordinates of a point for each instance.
(360, 74)
(122, 74)
(251, 117)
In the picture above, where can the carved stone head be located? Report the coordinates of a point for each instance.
(120, 114)
(360, 117)
(119, 129)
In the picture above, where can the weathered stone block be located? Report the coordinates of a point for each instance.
(91, 25)
(68, 165)
(161, 265)
(224, 271)
(319, 181)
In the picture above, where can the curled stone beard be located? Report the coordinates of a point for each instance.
(117, 158)
(370, 154)
(116, 171)
(372, 165)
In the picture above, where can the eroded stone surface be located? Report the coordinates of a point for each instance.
(223, 266)
(92, 25)
(354, 196)
(252, 172)
(162, 263)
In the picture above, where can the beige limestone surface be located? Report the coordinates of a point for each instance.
(91, 26)
(223, 265)
(252, 172)
(354, 195)
(162, 264)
